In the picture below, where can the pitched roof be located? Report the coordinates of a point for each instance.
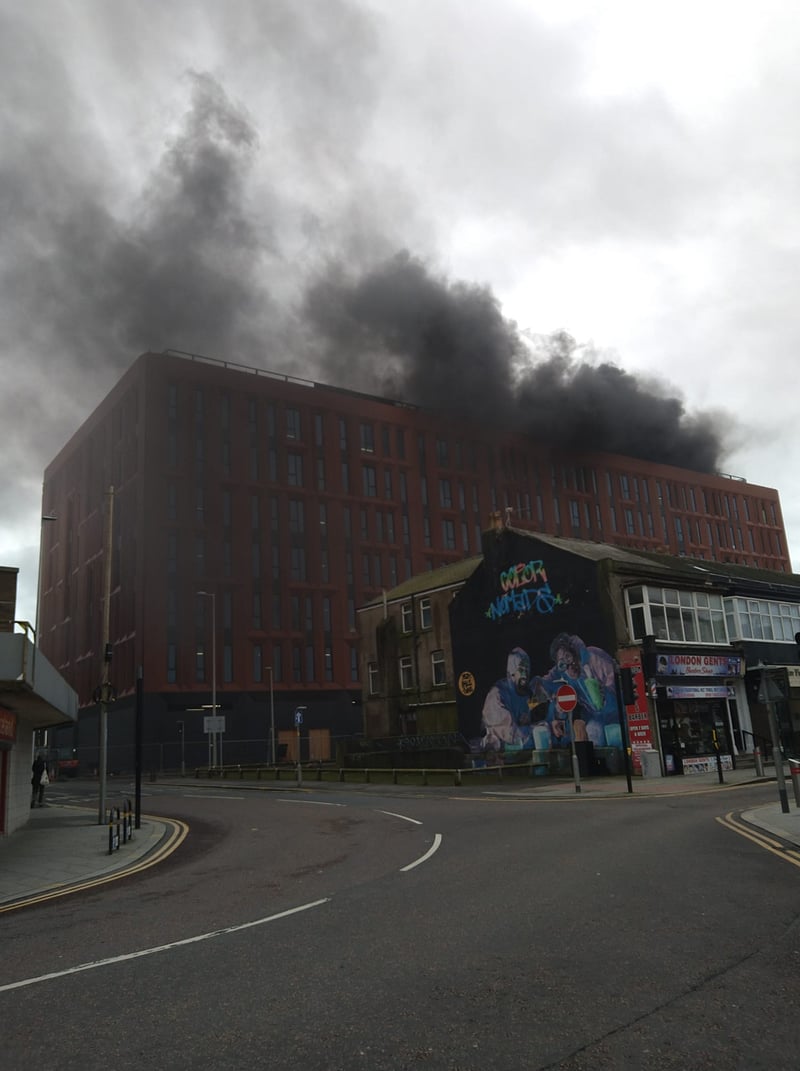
(432, 580)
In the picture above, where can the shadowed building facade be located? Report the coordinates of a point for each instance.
(294, 503)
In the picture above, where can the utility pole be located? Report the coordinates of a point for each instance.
(769, 694)
(105, 686)
(272, 715)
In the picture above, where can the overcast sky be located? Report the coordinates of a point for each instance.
(287, 183)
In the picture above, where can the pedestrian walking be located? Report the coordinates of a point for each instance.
(39, 780)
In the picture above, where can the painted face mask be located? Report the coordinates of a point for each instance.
(518, 669)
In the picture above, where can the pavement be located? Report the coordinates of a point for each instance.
(64, 849)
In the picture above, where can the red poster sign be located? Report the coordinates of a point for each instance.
(640, 734)
(8, 725)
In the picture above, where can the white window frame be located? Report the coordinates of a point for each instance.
(373, 678)
(407, 617)
(425, 614)
(406, 667)
(438, 669)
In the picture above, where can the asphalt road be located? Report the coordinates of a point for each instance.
(331, 931)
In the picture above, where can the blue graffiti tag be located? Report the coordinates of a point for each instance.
(523, 601)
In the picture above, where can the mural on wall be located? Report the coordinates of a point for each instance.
(574, 697)
(532, 670)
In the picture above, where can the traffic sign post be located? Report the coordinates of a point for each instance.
(567, 700)
(298, 721)
(769, 694)
(623, 726)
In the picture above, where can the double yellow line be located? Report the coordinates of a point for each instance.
(777, 847)
(177, 833)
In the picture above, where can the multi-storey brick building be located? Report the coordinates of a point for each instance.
(292, 503)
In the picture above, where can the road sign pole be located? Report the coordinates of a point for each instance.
(622, 712)
(566, 700)
(298, 721)
(576, 766)
(770, 694)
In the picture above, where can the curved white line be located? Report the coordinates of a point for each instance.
(437, 840)
(393, 814)
(160, 948)
(317, 803)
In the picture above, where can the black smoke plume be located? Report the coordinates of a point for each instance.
(408, 333)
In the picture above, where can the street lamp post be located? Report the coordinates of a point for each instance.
(45, 517)
(36, 610)
(298, 721)
(212, 595)
(271, 715)
(105, 687)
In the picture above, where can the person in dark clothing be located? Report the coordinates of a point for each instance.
(38, 769)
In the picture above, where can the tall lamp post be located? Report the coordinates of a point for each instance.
(36, 610)
(298, 721)
(212, 595)
(45, 517)
(271, 715)
(105, 687)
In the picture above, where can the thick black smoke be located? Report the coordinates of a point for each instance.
(404, 331)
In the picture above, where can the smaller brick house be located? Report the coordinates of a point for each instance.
(405, 656)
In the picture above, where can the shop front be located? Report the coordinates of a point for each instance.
(697, 709)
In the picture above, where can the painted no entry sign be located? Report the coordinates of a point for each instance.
(567, 698)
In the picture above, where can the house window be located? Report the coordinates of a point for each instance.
(294, 470)
(296, 516)
(407, 616)
(370, 481)
(373, 678)
(298, 564)
(438, 673)
(425, 617)
(367, 439)
(676, 616)
(406, 673)
(292, 424)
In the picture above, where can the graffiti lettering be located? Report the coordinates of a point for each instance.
(543, 600)
(523, 573)
(434, 740)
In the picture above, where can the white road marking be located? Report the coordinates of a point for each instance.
(437, 840)
(214, 796)
(318, 803)
(160, 948)
(393, 814)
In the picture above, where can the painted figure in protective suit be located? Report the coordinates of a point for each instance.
(589, 671)
(506, 716)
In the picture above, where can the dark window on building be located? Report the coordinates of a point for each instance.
(294, 469)
(370, 481)
(367, 438)
(438, 670)
(293, 424)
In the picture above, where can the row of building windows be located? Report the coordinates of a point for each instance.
(405, 667)
(699, 617)
(515, 465)
(302, 667)
(459, 454)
